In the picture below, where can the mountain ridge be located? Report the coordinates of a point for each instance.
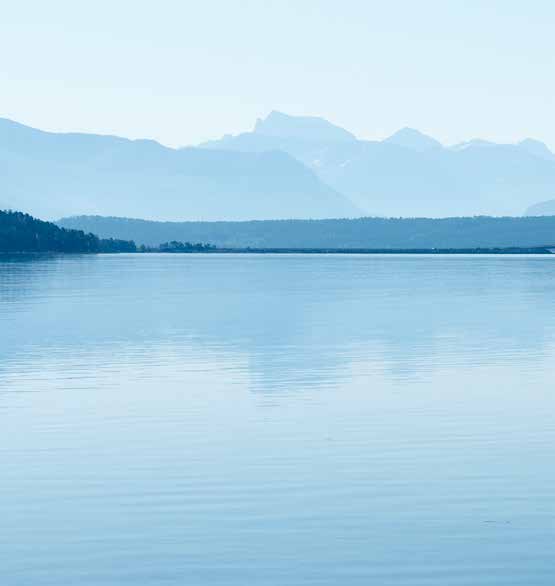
(413, 139)
(543, 208)
(279, 124)
(287, 167)
(412, 174)
(53, 174)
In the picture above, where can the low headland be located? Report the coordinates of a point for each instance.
(21, 233)
(368, 234)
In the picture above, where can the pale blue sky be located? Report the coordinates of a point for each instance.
(186, 71)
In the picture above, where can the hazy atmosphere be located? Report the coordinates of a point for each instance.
(183, 72)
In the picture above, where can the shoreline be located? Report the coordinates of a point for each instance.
(544, 250)
(541, 250)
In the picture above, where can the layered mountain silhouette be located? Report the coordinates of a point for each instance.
(409, 173)
(52, 175)
(286, 167)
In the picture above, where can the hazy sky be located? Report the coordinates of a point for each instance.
(182, 71)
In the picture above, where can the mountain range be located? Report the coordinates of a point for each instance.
(52, 175)
(409, 173)
(286, 167)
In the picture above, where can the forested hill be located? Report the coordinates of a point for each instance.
(22, 233)
(394, 233)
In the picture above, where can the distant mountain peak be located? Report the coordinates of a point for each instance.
(414, 140)
(544, 208)
(310, 128)
(537, 148)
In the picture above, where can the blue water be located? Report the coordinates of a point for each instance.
(277, 420)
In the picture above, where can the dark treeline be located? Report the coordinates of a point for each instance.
(176, 246)
(367, 233)
(22, 233)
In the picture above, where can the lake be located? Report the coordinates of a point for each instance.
(277, 420)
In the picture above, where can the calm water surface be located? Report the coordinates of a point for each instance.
(277, 420)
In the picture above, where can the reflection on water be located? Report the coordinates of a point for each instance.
(173, 419)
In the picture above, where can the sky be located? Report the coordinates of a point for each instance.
(183, 71)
